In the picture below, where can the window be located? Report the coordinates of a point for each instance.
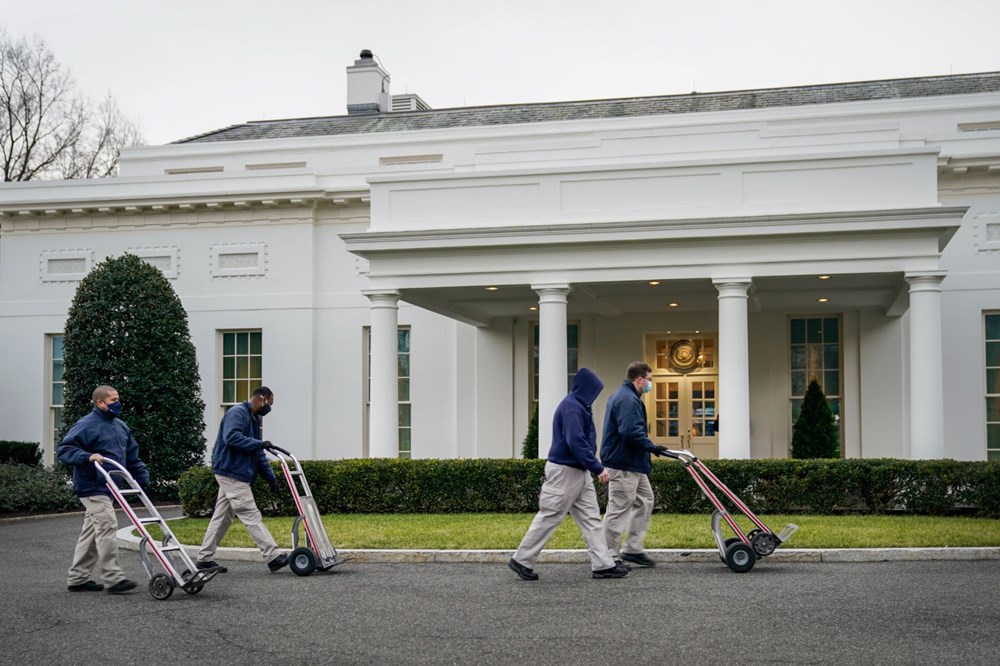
(403, 386)
(242, 366)
(993, 387)
(572, 360)
(56, 386)
(815, 354)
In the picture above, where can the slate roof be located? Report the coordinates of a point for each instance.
(514, 114)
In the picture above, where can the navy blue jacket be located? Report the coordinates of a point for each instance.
(100, 432)
(574, 438)
(238, 453)
(626, 444)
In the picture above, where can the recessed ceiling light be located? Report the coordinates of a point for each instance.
(672, 305)
(824, 277)
(532, 307)
(822, 300)
(697, 331)
(492, 288)
(654, 282)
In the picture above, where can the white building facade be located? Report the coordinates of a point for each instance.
(413, 283)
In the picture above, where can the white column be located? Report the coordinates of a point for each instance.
(734, 369)
(551, 358)
(926, 367)
(383, 425)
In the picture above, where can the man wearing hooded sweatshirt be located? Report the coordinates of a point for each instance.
(568, 486)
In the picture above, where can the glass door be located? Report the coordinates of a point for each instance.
(683, 411)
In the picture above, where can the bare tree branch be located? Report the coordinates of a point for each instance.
(48, 129)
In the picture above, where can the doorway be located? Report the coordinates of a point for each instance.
(683, 402)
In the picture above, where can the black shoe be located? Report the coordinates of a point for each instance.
(617, 571)
(89, 586)
(642, 559)
(277, 563)
(122, 587)
(524, 572)
(620, 563)
(211, 564)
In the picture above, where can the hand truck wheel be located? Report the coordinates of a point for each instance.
(302, 561)
(729, 542)
(161, 586)
(764, 543)
(740, 557)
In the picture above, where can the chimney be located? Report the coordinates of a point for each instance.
(367, 86)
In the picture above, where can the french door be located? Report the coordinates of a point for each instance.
(682, 410)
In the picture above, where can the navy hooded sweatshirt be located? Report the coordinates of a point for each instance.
(574, 438)
(238, 452)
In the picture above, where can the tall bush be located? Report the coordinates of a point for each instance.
(529, 447)
(128, 329)
(815, 433)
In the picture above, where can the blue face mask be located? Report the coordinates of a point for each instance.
(648, 387)
(115, 407)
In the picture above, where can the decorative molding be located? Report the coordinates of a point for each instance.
(986, 232)
(238, 260)
(65, 265)
(164, 258)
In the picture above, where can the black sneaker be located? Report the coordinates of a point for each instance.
(619, 562)
(278, 562)
(89, 586)
(122, 587)
(211, 564)
(524, 572)
(617, 571)
(642, 559)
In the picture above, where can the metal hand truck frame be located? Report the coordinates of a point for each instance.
(741, 552)
(318, 552)
(169, 552)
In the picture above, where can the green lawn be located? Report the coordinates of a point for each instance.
(504, 531)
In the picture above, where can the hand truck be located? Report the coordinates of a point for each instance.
(741, 552)
(318, 553)
(169, 551)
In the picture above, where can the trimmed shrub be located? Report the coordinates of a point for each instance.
(529, 447)
(380, 485)
(33, 488)
(21, 453)
(815, 432)
(127, 328)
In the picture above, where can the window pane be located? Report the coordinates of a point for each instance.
(993, 436)
(830, 330)
(404, 440)
(798, 331)
(992, 327)
(993, 409)
(228, 344)
(403, 365)
(242, 391)
(831, 356)
(993, 381)
(993, 456)
(404, 389)
(229, 368)
(242, 343)
(831, 382)
(572, 361)
(229, 392)
(796, 408)
(57, 371)
(798, 357)
(256, 371)
(572, 336)
(57, 394)
(814, 330)
(403, 340)
(993, 354)
(242, 367)
(404, 415)
(57, 345)
(255, 343)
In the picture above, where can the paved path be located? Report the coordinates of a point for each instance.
(430, 613)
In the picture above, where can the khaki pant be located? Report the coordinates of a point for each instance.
(566, 490)
(98, 543)
(236, 499)
(630, 506)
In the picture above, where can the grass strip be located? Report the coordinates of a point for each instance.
(504, 531)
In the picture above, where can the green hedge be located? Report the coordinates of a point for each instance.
(21, 453)
(511, 486)
(34, 489)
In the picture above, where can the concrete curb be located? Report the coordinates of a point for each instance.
(667, 555)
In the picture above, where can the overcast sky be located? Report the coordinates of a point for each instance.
(182, 67)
